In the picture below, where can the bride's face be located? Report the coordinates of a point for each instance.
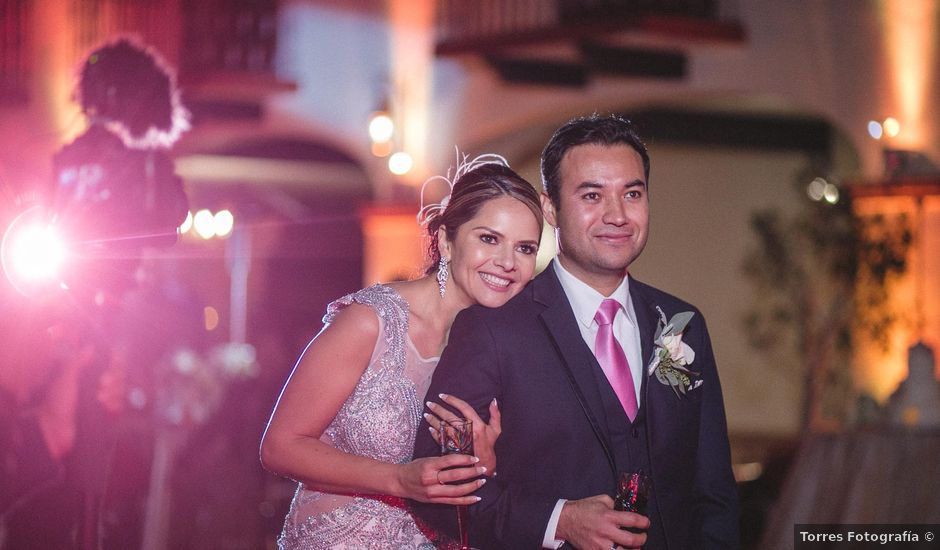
(492, 256)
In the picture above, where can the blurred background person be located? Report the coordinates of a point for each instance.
(114, 193)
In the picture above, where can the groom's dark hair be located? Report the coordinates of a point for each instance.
(589, 130)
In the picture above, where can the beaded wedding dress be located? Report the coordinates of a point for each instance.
(378, 421)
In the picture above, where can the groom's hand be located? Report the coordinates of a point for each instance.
(593, 523)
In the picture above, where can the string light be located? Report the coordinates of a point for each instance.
(187, 223)
(223, 221)
(207, 224)
(204, 224)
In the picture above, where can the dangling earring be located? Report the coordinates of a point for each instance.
(442, 275)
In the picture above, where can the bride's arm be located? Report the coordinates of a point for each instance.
(325, 375)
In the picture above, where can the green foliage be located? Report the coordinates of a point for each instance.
(820, 275)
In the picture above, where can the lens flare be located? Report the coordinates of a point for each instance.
(37, 252)
(32, 252)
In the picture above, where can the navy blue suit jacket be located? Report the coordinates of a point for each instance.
(530, 356)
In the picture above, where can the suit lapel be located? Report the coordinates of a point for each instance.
(576, 358)
(646, 319)
(659, 400)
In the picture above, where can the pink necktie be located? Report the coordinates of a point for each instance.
(612, 359)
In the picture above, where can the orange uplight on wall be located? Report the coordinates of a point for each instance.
(910, 41)
(394, 244)
(914, 298)
(55, 57)
(910, 34)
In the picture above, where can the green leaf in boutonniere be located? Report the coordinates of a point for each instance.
(672, 356)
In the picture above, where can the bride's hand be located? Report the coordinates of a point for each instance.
(429, 479)
(484, 435)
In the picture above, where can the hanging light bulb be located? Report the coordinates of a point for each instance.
(891, 126)
(381, 127)
(400, 163)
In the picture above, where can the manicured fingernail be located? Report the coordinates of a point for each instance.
(482, 481)
(477, 499)
(429, 404)
(443, 395)
(474, 459)
(427, 416)
(494, 401)
(481, 470)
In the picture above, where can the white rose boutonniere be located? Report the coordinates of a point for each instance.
(672, 356)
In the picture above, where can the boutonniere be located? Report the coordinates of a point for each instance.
(672, 356)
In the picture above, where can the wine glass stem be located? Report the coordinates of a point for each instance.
(463, 526)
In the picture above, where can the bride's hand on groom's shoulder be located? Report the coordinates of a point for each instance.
(484, 434)
(448, 479)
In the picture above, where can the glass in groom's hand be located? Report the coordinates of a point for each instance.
(632, 494)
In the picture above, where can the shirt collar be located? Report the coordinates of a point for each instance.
(585, 300)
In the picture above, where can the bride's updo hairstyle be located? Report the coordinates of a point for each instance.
(476, 183)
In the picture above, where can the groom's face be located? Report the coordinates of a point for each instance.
(602, 215)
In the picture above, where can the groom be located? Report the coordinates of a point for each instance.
(595, 373)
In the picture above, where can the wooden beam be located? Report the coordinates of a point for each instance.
(681, 30)
(904, 187)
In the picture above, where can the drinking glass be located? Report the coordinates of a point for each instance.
(457, 438)
(633, 490)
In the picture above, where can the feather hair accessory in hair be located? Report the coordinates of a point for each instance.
(430, 211)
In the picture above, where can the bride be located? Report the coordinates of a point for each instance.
(345, 422)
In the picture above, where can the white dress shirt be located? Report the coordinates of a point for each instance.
(585, 302)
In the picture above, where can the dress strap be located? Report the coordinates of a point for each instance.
(392, 310)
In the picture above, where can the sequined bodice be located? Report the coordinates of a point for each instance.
(378, 420)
